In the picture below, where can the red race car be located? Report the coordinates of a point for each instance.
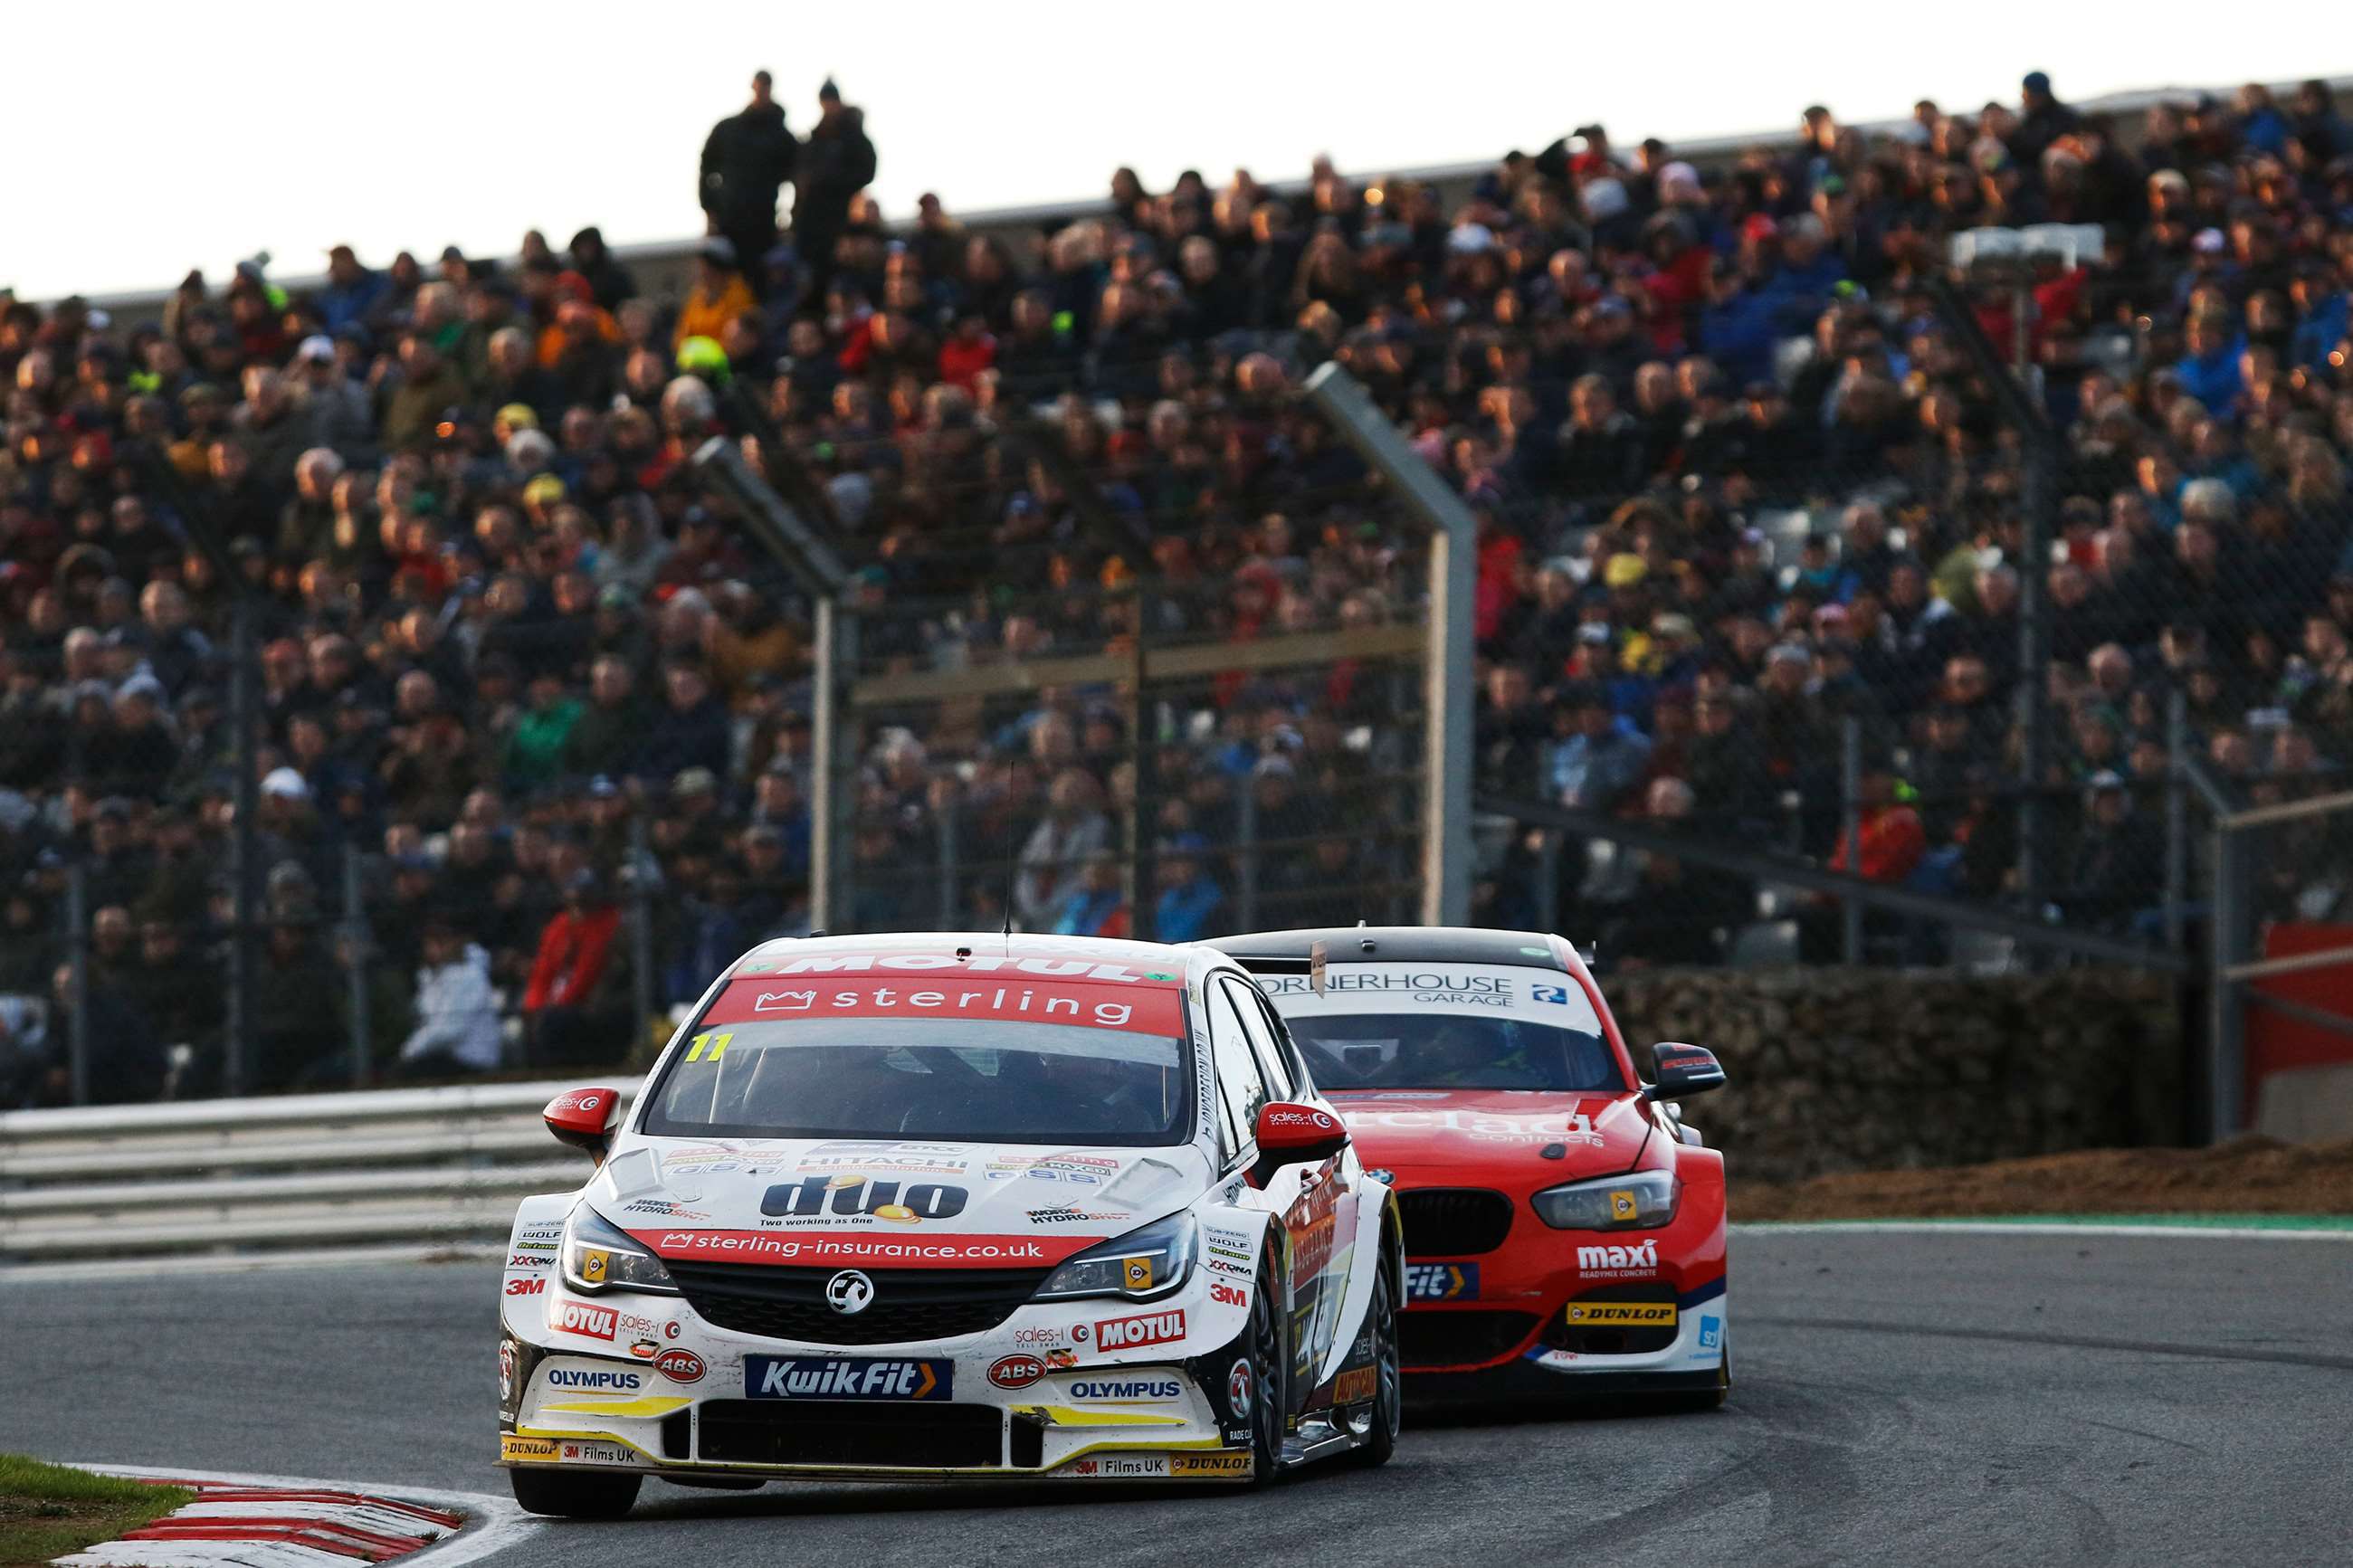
(1564, 1229)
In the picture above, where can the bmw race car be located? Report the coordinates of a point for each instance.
(1564, 1230)
(953, 1207)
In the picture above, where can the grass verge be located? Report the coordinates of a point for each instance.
(49, 1510)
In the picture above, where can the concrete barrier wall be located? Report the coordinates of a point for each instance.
(1837, 1069)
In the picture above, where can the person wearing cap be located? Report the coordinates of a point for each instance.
(2044, 121)
(331, 408)
(456, 1011)
(746, 159)
(836, 162)
(2116, 867)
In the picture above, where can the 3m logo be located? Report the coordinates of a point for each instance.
(1225, 1295)
(580, 1318)
(1600, 1260)
(1150, 1329)
(525, 1286)
(1232, 1465)
(1622, 1314)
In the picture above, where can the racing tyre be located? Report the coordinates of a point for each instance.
(575, 1494)
(1387, 1413)
(1705, 1399)
(1270, 1358)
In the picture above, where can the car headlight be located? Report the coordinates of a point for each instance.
(1150, 1260)
(598, 1255)
(1644, 1200)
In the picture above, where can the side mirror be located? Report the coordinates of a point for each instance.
(1293, 1134)
(585, 1118)
(1679, 1070)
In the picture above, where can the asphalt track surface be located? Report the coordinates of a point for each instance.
(1899, 1398)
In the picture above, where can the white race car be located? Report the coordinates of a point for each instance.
(953, 1207)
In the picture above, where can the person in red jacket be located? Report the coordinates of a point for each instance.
(1892, 839)
(576, 1005)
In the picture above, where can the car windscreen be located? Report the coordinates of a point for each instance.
(1450, 1050)
(837, 1061)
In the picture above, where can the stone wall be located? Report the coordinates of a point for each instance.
(1841, 1069)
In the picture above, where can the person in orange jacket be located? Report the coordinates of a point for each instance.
(718, 297)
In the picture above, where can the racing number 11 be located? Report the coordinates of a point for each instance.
(717, 1044)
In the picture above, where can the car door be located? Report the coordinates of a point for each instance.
(1317, 1207)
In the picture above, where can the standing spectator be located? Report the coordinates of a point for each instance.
(720, 293)
(1052, 862)
(838, 163)
(746, 159)
(457, 1012)
(576, 1005)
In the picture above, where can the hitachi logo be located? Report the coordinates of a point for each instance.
(1643, 1256)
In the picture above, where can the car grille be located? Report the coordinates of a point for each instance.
(1451, 1222)
(1438, 1337)
(909, 1303)
(1560, 1334)
(847, 1432)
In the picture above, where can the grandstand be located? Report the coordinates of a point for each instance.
(1758, 522)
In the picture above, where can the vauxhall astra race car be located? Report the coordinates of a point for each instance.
(1564, 1230)
(953, 1207)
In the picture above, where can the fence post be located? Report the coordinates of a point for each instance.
(951, 822)
(355, 958)
(833, 754)
(1246, 862)
(243, 851)
(1547, 880)
(2176, 818)
(2225, 1114)
(641, 931)
(1850, 826)
(1449, 698)
(78, 981)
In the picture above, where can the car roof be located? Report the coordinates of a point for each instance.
(1293, 950)
(1186, 959)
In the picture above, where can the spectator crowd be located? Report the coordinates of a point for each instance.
(1736, 481)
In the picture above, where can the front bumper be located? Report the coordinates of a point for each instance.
(1030, 1398)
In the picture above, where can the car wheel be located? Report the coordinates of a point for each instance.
(1387, 1413)
(576, 1494)
(1709, 1398)
(1269, 1359)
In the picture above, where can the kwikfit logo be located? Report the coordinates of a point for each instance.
(1643, 1256)
(848, 1377)
(850, 1194)
(1150, 1329)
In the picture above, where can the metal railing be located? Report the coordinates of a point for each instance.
(430, 1165)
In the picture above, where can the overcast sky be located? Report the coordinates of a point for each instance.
(142, 139)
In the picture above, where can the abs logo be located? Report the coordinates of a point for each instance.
(607, 1382)
(1015, 1370)
(1149, 1329)
(1130, 1391)
(1639, 1261)
(580, 1318)
(1226, 1295)
(525, 1286)
(680, 1366)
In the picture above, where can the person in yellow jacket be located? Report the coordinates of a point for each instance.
(718, 297)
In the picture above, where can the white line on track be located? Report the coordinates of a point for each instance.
(2037, 1227)
(493, 1524)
